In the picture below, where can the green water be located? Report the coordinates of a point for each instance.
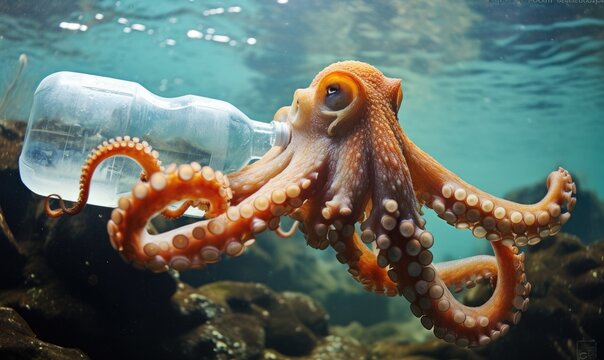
(500, 92)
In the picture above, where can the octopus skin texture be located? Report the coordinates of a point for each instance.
(355, 182)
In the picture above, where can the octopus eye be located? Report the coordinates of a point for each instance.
(337, 98)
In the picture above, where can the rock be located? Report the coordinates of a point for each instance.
(335, 347)
(284, 317)
(407, 331)
(332, 347)
(433, 349)
(308, 311)
(78, 250)
(230, 336)
(43, 299)
(292, 265)
(190, 308)
(248, 321)
(566, 301)
(11, 142)
(18, 341)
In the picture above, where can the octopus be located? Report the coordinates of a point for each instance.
(353, 181)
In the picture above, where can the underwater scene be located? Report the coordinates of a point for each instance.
(426, 180)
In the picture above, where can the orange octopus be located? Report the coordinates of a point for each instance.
(348, 162)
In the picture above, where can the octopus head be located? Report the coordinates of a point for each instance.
(341, 98)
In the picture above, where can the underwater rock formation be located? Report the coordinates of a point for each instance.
(222, 320)
(567, 301)
(11, 142)
(433, 349)
(294, 266)
(69, 285)
(18, 341)
(148, 315)
(243, 319)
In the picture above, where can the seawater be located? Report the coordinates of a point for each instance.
(500, 92)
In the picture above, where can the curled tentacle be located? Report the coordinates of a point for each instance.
(408, 261)
(230, 229)
(405, 256)
(467, 325)
(140, 151)
(425, 285)
(487, 216)
(127, 227)
(403, 264)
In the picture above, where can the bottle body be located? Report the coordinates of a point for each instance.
(73, 113)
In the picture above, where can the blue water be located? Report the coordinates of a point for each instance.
(500, 92)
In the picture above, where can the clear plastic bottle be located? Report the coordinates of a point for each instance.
(72, 113)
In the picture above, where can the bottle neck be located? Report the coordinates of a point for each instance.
(267, 135)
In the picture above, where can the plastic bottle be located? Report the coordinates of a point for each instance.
(72, 113)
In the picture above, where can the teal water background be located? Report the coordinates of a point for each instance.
(501, 92)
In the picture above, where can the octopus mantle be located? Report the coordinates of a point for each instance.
(348, 162)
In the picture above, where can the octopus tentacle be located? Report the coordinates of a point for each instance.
(388, 203)
(362, 263)
(134, 148)
(127, 227)
(342, 196)
(466, 325)
(311, 226)
(404, 256)
(310, 182)
(405, 251)
(394, 225)
(487, 216)
(140, 151)
(230, 230)
(251, 178)
(410, 265)
(468, 271)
